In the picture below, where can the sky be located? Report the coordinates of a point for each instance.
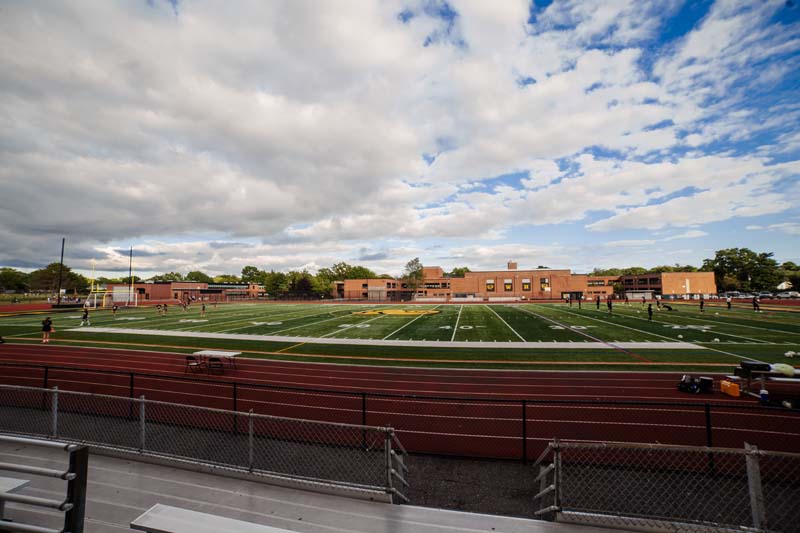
(294, 134)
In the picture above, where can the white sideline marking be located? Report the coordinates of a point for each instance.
(381, 342)
(407, 324)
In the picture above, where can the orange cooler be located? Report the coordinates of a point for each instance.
(730, 388)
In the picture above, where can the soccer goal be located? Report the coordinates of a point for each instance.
(120, 296)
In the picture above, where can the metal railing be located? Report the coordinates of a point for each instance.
(74, 504)
(325, 454)
(671, 488)
(452, 425)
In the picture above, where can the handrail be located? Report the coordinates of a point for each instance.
(73, 505)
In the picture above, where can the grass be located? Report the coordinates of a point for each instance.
(725, 337)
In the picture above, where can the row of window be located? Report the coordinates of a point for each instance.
(643, 281)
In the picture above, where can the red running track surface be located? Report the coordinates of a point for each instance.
(462, 412)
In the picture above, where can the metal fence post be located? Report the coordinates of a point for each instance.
(235, 407)
(363, 420)
(387, 448)
(524, 432)
(754, 487)
(557, 474)
(76, 490)
(142, 430)
(54, 413)
(250, 445)
(709, 440)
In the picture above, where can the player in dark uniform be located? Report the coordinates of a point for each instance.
(649, 311)
(598, 303)
(203, 310)
(85, 318)
(114, 310)
(47, 328)
(610, 306)
(756, 304)
(702, 305)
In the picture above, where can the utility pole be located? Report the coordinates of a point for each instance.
(60, 270)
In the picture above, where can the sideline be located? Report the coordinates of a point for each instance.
(381, 342)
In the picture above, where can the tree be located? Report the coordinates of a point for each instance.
(12, 279)
(46, 279)
(750, 271)
(226, 278)
(251, 274)
(200, 277)
(788, 265)
(412, 274)
(169, 276)
(275, 283)
(458, 272)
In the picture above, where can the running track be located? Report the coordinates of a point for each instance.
(474, 412)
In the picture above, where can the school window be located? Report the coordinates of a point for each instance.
(490, 287)
(363, 285)
(544, 283)
(508, 287)
(526, 285)
(596, 283)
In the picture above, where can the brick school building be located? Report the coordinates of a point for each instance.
(513, 284)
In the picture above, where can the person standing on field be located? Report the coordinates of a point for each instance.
(203, 310)
(85, 318)
(610, 306)
(702, 305)
(47, 328)
(598, 303)
(728, 302)
(649, 311)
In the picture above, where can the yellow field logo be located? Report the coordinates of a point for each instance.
(400, 312)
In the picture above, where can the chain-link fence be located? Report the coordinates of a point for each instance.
(446, 424)
(367, 458)
(676, 488)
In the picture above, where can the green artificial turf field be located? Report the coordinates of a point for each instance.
(526, 335)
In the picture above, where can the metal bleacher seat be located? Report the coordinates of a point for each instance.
(165, 519)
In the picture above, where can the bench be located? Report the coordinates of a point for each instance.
(10, 484)
(220, 354)
(165, 519)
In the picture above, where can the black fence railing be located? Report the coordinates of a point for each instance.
(474, 427)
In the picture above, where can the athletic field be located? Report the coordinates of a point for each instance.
(533, 336)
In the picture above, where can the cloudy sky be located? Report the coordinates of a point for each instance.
(295, 134)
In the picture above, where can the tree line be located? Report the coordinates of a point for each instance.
(734, 269)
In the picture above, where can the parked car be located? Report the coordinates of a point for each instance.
(765, 294)
(788, 294)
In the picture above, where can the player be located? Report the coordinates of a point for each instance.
(610, 306)
(164, 308)
(644, 300)
(702, 305)
(158, 310)
(85, 318)
(203, 310)
(649, 311)
(728, 302)
(114, 310)
(47, 329)
(597, 301)
(756, 305)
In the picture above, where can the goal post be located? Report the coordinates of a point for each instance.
(119, 296)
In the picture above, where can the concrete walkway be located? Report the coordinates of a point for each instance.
(666, 345)
(120, 490)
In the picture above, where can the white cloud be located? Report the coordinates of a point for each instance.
(299, 123)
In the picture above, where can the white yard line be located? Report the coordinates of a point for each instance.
(759, 341)
(350, 326)
(662, 336)
(282, 318)
(742, 325)
(618, 325)
(523, 339)
(455, 328)
(407, 324)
